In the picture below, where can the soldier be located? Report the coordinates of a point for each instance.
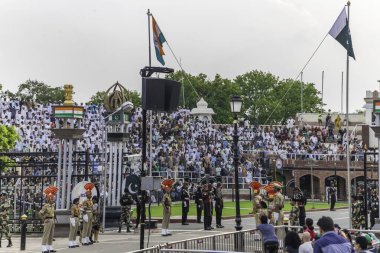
(332, 196)
(355, 213)
(139, 207)
(361, 212)
(219, 205)
(301, 201)
(126, 203)
(199, 203)
(185, 197)
(374, 207)
(166, 205)
(87, 213)
(256, 206)
(4, 219)
(278, 205)
(95, 220)
(47, 214)
(294, 214)
(74, 223)
(207, 213)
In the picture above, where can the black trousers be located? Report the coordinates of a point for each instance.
(302, 216)
(372, 217)
(332, 202)
(199, 212)
(218, 214)
(207, 219)
(185, 210)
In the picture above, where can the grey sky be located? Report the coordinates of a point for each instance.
(92, 44)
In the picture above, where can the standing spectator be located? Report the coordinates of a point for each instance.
(332, 196)
(306, 246)
(292, 242)
(330, 241)
(268, 235)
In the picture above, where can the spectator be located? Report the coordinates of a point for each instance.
(310, 228)
(306, 246)
(330, 242)
(361, 245)
(268, 235)
(292, 242)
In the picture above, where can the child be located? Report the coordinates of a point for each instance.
(310, 228)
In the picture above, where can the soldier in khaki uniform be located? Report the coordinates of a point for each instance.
(47, 215)
(166, 206)
(256, 207)
(87, 207)
(74, 223)
(4, 219)
(278, 205)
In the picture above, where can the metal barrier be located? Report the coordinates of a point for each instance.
(239, 241)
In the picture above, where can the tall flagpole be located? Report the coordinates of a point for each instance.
(347, 132)
(301, 91)
(150, 53)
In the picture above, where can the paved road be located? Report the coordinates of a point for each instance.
(111, 241)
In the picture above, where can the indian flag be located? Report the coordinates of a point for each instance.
(376, 106)
(158, 39)
(68, 112)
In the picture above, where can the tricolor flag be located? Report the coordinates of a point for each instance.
(376, 106)
(158, 39)
(341, 32)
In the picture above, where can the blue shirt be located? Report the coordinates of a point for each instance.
(331, 242)
(267, 231)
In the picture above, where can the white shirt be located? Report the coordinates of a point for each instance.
(306, 248)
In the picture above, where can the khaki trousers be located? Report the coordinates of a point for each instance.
(74, 230)
(47, 238)
(87, 226)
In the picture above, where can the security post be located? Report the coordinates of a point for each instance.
(23, 219)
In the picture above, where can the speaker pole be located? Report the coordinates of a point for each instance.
(150, 53)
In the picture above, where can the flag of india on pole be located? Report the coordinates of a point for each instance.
(376, 106)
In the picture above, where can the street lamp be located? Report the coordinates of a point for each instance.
(236, 103)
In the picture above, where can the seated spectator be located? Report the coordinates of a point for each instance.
(330, 241)
(268, 235)
(292, 242)
(310, 228)
(361, 245)
(306, 246)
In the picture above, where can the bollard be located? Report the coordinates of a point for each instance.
(23, 231)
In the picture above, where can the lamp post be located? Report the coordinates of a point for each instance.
(236, 103)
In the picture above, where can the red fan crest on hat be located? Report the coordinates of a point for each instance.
(51, 190)
(167, 183)
(255, 185)
(89, 186)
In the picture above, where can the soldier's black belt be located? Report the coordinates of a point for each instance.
(49, 218)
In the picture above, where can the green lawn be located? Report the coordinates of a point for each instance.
(229, 208)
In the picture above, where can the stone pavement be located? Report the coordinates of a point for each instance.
(113, 242)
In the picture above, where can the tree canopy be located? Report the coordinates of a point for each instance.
(131, 95)
(8, 139)
(267, 99)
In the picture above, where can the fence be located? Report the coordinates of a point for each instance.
(239, 241)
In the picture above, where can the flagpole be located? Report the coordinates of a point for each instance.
(347, 132)
(341, 94)
(323, 79)
(150, 53)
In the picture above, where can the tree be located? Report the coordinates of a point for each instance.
(132, 96)
(8, 139)
(40, 92)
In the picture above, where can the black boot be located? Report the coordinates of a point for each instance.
(119, 229)
(128, 229)
(91, 241)
(9, 243)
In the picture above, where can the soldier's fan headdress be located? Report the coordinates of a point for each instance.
(255, 186)
(50, 190)
(89, 186)
(270, 190)
(167, 183)
(277, 185)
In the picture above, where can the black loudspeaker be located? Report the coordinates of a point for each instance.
(160, 95)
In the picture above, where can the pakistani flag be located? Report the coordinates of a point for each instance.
(341, 32)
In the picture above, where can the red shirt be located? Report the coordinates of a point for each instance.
(311, 232)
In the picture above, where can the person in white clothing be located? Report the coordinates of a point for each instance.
(306, 246)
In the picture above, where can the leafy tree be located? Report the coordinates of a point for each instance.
(40, 92)
(132, 96)
(98, 98)
(8, 139)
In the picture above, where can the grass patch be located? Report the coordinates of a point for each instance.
(229, 208)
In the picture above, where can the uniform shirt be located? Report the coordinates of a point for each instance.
(278, 202)
(167, 200)
(47, 211)
(75, 211)
(4, 210)
(87, 206)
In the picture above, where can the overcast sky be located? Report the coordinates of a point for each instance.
(92, 44)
